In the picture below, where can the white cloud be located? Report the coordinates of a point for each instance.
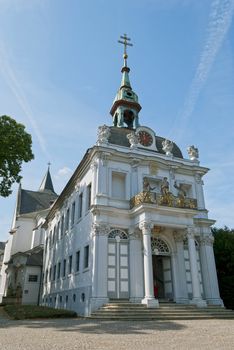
(219, 22)
(10, 77)
(63, 172)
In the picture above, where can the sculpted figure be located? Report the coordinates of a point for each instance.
(133, 139)
(164, 187)
(103, 134)
(181, 194)
(167, 147)
(193, 153)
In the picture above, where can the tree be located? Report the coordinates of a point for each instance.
(15, 148)
(224, 257)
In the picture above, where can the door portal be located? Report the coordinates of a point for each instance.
(162, 276)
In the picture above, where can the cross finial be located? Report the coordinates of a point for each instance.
(125, 41)
(49, 164)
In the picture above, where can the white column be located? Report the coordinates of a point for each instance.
(136, 266)
(99, 266)
(197, 298)
(182, 296)
(199, 191)
(149, 298)
(209, 274)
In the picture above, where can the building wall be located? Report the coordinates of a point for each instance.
(31, 288)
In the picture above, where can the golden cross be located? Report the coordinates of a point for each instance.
(125, 42)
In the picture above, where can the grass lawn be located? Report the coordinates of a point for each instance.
(21, 312)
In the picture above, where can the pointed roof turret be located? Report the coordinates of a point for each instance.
(125, 107)
(47, 184)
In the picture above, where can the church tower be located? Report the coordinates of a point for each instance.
(125, 108)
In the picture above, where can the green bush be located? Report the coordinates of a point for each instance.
(21, 312)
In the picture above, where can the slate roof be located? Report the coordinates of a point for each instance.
(2, 245)
(47, 184)
(35, 259)
(119, 137)
(31, 201)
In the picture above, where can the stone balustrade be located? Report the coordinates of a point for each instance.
(168, 200)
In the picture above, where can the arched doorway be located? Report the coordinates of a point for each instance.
(118, 281)
(162, 276)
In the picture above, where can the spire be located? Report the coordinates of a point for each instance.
(125, 70)
(125, 107)
(47, 184)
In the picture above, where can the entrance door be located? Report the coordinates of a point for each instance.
(118, 286)
(162, 277)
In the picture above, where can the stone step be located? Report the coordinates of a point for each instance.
(161, 317)
(167, 311)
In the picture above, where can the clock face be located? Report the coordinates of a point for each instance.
(145, 138)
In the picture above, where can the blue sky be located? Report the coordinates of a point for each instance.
(60, 68)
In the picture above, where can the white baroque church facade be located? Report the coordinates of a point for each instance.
(131, 223)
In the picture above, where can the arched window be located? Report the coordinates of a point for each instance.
(159, 247)
(117, 233)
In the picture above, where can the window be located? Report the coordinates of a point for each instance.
(54, 273)
(62, 226)
(118, 185)
(50, 239)
(86, 257)
(73, 213)
(64, 267)
(46, 276)
(67, 220)
(57, 233)
(80, 202)
(89, 188)
(78, 261)
(59, 270)
(32, 278)
(50, 273)
(46, 244)
(70, 264)
(53, 235)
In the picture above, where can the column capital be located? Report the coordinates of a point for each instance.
(146, 227)
(134, 232)
(191, 232)
(207, 240)
(100, 229)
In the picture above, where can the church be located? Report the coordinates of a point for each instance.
(131, 223)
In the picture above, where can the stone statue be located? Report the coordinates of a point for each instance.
(103, 134)
(167, 147)
(181, 192)
(133, 139)
(146, 185)
(164, 187)
(193, 153)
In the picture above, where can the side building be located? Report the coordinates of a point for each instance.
(131, 223)
(21, 270)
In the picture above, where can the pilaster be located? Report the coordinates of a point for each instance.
(210, 281)
(182, 296)
(197, 298)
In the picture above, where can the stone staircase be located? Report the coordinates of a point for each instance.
(124, 310)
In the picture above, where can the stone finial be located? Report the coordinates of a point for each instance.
(193, 153)
(103, 134)
(167, 147)
(133, 139)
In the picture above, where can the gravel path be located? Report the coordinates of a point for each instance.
(100, 335)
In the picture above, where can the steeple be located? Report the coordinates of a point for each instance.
(125, 107)
(47, 184)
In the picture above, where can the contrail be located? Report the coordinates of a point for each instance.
(220, 19)
(11, 80)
